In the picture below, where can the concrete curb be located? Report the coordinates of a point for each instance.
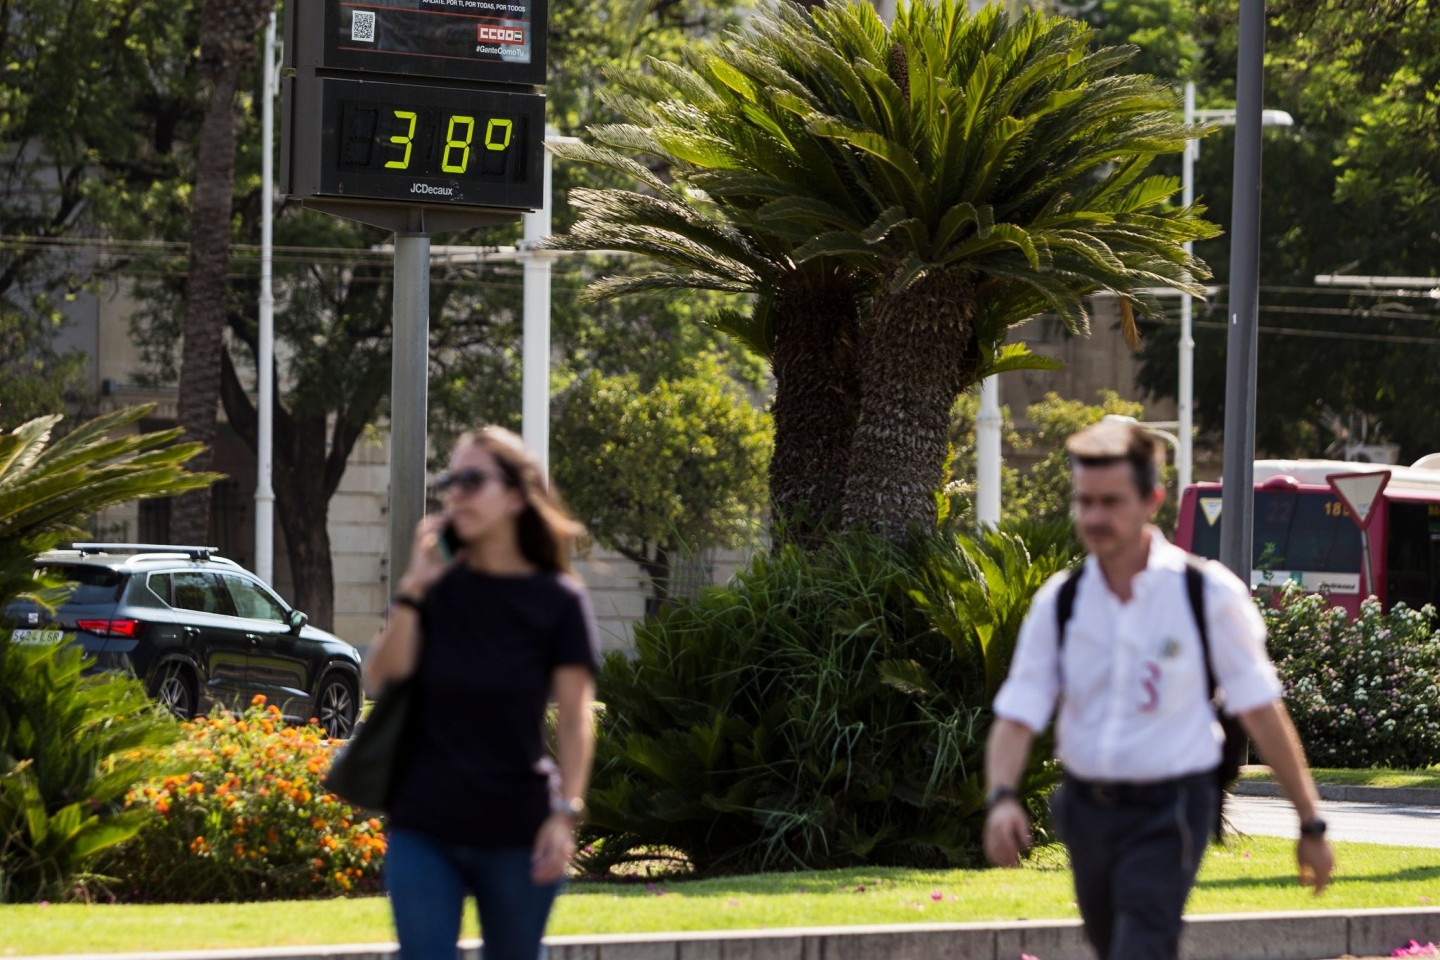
(1392, 796)
(1296, 935)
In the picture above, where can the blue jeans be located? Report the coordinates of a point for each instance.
(428, 880)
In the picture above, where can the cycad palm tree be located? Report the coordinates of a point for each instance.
(969, 172)
(803, 316)
(49, 485)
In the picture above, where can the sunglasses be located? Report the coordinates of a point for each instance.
(465, 482)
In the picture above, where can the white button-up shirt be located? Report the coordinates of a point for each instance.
(1136, 702)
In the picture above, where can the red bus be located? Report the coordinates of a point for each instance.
(1304, 532)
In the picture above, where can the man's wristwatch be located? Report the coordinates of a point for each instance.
(574, 807)
(1314, 827)
(999, 795)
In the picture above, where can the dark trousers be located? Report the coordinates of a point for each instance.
(428, 880)
(1135, 850)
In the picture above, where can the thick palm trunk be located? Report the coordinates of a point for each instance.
(817, 405)
(227, 49)
(916, 355)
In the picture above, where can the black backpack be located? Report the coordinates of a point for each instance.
(1237, 744)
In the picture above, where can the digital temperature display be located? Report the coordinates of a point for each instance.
(448, 145)
(395, 104)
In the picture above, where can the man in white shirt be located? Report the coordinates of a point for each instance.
(1137, 734)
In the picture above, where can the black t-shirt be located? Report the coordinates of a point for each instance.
(477, 771)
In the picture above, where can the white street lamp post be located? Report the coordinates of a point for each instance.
(265, 353)
(1184, 454)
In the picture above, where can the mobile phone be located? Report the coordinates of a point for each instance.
(450, 543)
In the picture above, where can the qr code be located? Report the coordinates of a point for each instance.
(362, 26)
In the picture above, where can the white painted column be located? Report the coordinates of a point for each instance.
(987, 455)
(1184, 454)
(535, 357)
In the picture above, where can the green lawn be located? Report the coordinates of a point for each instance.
(1361, 778)
(1252, 874)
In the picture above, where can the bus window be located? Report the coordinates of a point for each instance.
(1413, 554)
(1308, 532)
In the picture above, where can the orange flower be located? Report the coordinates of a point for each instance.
(258, 700)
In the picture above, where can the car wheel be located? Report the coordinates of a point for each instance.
(337, 706)
(173, 686)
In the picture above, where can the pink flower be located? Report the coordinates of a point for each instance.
(1416, 950)
(936, 895)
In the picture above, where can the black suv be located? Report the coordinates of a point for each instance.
(200, 630)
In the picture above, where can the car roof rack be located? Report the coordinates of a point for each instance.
(193, 552)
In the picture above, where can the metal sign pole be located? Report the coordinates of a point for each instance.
(1238, 493)
(1369, 586)
(409, 384)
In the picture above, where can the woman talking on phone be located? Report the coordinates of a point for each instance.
(491, 624)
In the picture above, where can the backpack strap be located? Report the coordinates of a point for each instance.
(1195, 590)
(1065, 604)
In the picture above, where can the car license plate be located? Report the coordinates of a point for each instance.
(37, 638)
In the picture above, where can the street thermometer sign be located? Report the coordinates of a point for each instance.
(417, 116)
(425, 103)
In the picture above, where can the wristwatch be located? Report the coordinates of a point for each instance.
(1314, 827)
(999, 795)
(574, 807)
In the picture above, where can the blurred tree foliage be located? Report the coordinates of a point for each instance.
(663, 472)
(1350, 189)
(1041, 494)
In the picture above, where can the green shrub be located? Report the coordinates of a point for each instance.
(1363, 692)
(70, 747)
(827, 709)
(245, 818)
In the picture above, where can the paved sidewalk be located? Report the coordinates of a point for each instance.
(1395, 796)
(1299, 935)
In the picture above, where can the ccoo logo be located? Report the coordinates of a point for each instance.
(514, 36)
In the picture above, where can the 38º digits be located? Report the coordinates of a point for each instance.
(459, 140)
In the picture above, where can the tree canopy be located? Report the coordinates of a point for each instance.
(893, 200)
(1350, 189)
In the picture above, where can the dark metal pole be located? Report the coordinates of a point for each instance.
(1237, 497)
